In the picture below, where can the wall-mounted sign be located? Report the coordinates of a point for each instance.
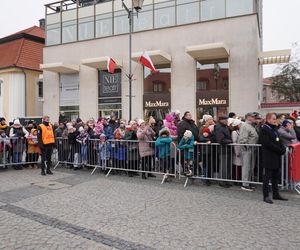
(156, 101)
(110, 84)
(212, 98)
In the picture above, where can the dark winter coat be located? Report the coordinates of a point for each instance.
(108, 132)
(272, 148)
(222, 134)
(187, 125)
(297, 130)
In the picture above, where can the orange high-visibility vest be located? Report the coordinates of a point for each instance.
(47, 134)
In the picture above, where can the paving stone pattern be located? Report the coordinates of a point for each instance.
(95, 212)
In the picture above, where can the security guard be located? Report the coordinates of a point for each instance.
(46, 141)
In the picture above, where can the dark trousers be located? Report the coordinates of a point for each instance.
(146, 163)
(270, 174)
(46, 157)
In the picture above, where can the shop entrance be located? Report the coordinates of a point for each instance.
(157, 93)
(212, 89)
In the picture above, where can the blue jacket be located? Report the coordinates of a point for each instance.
(108, 132)
(187, 147)
(119, 151)
(104, 151)
(164, 146)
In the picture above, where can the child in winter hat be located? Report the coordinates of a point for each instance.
(187, 145)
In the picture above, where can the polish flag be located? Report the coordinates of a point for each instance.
(146, 61)
(111, 65)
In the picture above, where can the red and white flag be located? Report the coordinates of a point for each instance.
(111, 65)
(146, 61)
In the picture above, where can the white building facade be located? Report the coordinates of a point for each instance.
(206, 53)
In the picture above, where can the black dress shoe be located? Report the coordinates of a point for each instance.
(43, 173)
(268, 200)
(49, 172)
(279, 198)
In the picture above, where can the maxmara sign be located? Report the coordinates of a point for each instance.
(156, 104)
(213, 98)
(157, 101)
(212, 102)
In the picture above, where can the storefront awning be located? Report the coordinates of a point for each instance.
(158, 57)
(100, 63)
(274, 57)
(60, 68)
(209, 53)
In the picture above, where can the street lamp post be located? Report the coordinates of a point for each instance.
(137, 6)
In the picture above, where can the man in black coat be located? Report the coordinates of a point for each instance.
(222, 135)
(187, 123)
(272, 150)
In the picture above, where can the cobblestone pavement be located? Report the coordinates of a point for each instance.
(74, 210)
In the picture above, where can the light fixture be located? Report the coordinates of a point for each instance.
(137, 5)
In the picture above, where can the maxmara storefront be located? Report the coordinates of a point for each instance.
(206, 53)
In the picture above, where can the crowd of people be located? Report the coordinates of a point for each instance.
(152, 141)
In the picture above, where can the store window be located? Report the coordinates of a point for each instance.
(164, 14)
(212, 9)
(69, 95)
(110, 93)
(86, 28)
(157, 92)
(240, 7)
(212, 94)
(188, 11)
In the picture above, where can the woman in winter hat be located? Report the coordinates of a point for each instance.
(169, 123)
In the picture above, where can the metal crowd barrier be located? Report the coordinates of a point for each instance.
(233, 163)
(14, 152)
(237, 163)
(118, 155)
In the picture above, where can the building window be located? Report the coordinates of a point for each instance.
(121, 22)
(212, 9)
(158, 86)
(86, 28)
(240, 7)
(40, 89)
(104, 25)
(164, 14)
(69, 31)
(225, 84)
(187, 11)
(144, 21)
(201, 84)
(53, 34)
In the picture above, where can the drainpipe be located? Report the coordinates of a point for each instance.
(25, 79)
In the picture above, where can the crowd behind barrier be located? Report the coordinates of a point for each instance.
(226, 152)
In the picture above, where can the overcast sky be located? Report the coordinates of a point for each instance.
(281, 21)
